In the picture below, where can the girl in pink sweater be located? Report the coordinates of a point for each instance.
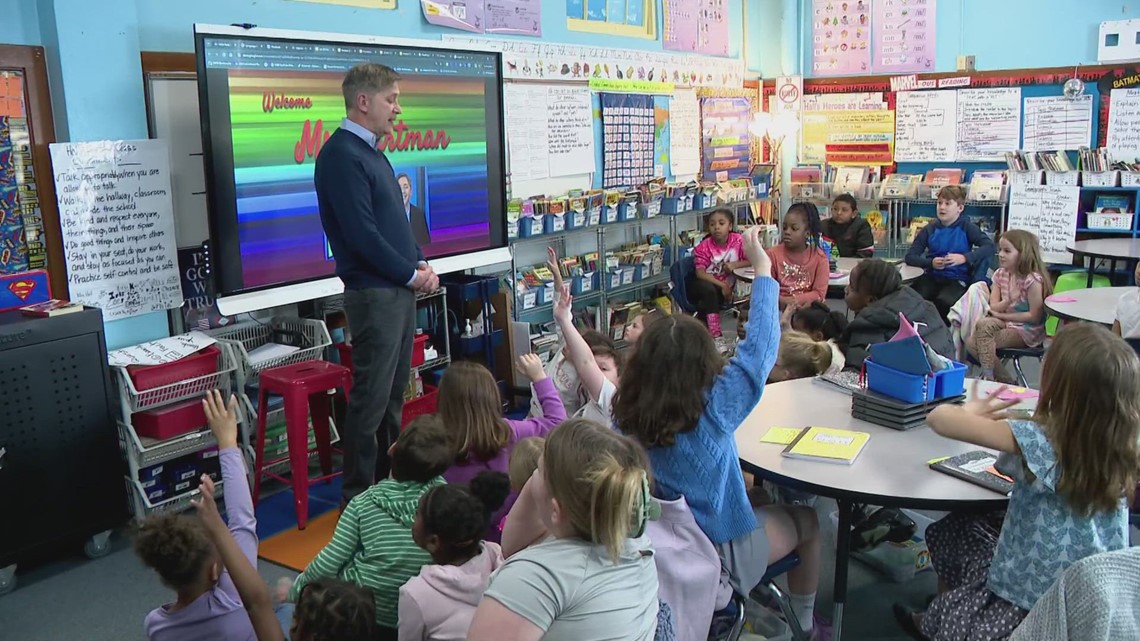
(722, 251)
(438, 604)
(798, 264)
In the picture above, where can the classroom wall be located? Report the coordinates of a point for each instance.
(1012, 34)
(20, 24)
(93, 52)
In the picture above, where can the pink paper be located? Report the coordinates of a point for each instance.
(1061, 299)
(1017, 394)
(696, 26)
(903, 34)
(841, 37)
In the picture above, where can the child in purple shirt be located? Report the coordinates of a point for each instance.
(471, 408)
(180, 549)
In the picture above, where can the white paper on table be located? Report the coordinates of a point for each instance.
(163, 350)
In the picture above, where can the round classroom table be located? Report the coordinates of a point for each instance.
(845, 265)
(1113, 249)
(1095, 305)
(891, 471)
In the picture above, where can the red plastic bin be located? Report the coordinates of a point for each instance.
(170, 421)
(202, 363)
(418, 345)
(419, 406)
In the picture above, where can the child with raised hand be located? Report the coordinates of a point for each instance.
(372, 544)
(1075, 465)
(798, 263)
(481, 439)
(715, 257)
(326, 608)
(594, 577)
(438, 604)
(180, 550)
(597, 373)
(559, 369)
(949, 249)
(851, 234)
(1017, 304)
(683, 403)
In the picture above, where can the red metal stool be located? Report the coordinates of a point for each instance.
(304, 386)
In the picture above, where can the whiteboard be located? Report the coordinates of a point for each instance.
(926, 126)
(172, 110)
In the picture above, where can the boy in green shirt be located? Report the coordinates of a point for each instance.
(372, 545)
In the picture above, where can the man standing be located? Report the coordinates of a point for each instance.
(415, 214)
(382, 267)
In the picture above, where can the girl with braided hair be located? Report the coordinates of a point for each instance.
(798, 263)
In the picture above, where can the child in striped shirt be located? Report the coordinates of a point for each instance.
(372, 545)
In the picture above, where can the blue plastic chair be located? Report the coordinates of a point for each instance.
(679, 272)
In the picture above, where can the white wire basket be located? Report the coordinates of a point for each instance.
(132, 400)
(142, 452)
(246, 337)
(1110, 221)
(142, 506)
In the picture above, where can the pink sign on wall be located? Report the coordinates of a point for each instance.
(904, 36)
(841, 37)
(696, 26)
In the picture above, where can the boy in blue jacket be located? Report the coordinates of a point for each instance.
(949, 249)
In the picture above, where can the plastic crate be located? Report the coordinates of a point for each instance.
(202, 363)
(245, 337)
(912, 388)
(134, 400)
(142, 506)
(419, 406)
(144, 452)
(1110, 221)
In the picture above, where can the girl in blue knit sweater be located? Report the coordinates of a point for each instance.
(684, 403)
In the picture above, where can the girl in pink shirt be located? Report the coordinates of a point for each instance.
(798, 264)
(715, 257)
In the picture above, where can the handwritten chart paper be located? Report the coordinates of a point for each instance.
(515, 17)
(117, 218)
(1050, 211)
(903, 33)
(926, 126)
(570, 129)
(840, 37)
(989, 123)
(527, 149)
(1123, 140)
(1055, 123)
(163, 350)
(685, 133)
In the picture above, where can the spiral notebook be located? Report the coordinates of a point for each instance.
(976, 467)
(828, 445)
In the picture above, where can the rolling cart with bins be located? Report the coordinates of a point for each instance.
(142, 453)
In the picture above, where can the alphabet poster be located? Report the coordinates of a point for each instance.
(117, 217)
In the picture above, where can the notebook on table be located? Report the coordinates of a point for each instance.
(846, 380)
(976, 467)
(828, 445)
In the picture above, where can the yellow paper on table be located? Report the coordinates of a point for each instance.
(827, 444)
(781, 435)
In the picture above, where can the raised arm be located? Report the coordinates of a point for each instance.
(553, 411)
(524, 525)
(222, 418)
(576, 350)
(251, 588)
(738, 388)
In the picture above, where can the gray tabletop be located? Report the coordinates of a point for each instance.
(1096, 305)
(892, 469)
(845, 266)
(1125, 248)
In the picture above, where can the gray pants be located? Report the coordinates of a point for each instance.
(383, 324)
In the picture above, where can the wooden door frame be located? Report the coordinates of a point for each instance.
(32, 64)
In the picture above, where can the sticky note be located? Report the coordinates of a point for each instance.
(781, 435)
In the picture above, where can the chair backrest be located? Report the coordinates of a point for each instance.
(679, 272)
(1067, 282)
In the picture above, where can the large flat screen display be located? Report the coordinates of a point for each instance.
(268, 104)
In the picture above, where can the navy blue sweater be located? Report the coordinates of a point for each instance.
(363, 214)
(960, 237)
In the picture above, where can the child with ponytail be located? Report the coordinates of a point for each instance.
(438, 604)
(594, 577)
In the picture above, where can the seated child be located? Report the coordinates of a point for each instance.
(949, 249)
(1074, 465)
(180, 550)
(1017, 304)
(325, 609)
(372, 544)
(560, 371)
(599, 371)
(851, 234)
(438, 604)
(875, 294)
(798, 264)
(715, 257)
(684, 403)
(481, 439)
(594, 576)
(1127, 323)
(524, 461)
(801, 356)
(820, 323)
